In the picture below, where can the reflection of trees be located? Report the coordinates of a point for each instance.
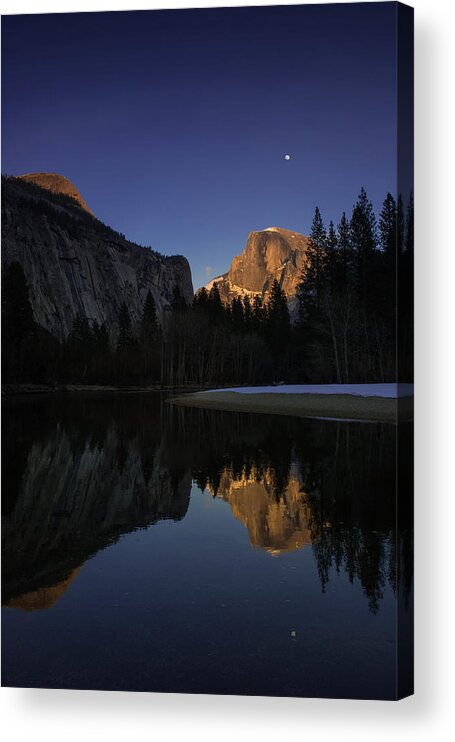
(354, 508)
(78, 471)
(351, 487)
(91, 470)
(364, 555)
(347, 476)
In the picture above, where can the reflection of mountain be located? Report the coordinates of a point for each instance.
(44, 597)
(278, 525)
(73, 502)
(80, 470)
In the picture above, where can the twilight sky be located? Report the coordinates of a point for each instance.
(174, 124)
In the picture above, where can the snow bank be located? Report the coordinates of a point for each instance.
(389, 391)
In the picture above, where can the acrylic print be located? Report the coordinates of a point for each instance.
(207, 247)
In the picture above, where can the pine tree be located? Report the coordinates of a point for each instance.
(400, 225)
(81, 347)
(363, 239)
(302, 302)
(201, 299)
(237, 315)
(344, 246)
(81, 334)
(309, 290)
(125, 333)
(409, 244)
(390, 240)
(247, 312)
(257, 314)
(20, 342)
(388, 226)
(316, 251)
(178, 303)
(331, 258)
(150, 337)
(101, 361)
(17, 313)
(215, 305)
(149, 321)
(363, 224)
(101, 337)
(278, 321)
(406, 300)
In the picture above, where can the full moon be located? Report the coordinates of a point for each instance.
(287, 157)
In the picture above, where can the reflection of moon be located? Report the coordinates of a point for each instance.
(287, 157)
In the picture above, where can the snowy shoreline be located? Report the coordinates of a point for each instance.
(386, 403)
(384, 391)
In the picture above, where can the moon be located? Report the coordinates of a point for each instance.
(287, 157)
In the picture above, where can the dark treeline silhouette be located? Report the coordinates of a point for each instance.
(356, 286)
(29, 352)
(143, 454)
(348, 299)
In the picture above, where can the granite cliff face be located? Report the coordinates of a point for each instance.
(269, 254)
(74, 264)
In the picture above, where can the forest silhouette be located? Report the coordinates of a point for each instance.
(355, 291)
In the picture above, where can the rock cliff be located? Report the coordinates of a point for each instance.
(56, 184)
(269, 254)
(75, 264)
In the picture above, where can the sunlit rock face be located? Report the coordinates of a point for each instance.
(272, 253)
(74, 264)
(275, 521)
(56, 184)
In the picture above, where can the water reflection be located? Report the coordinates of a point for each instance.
(79, 471)
(277, 522)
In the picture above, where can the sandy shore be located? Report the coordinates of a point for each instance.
(339, 406)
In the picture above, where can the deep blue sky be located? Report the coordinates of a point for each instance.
(174, 124)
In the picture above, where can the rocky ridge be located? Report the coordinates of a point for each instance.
(56, 184)
(271, 253)
(75, 264)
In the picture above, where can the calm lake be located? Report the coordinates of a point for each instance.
(154, 548)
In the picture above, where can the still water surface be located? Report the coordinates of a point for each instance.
(153, 548)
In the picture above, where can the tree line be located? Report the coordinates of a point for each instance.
(356, 285)
(356, 292)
